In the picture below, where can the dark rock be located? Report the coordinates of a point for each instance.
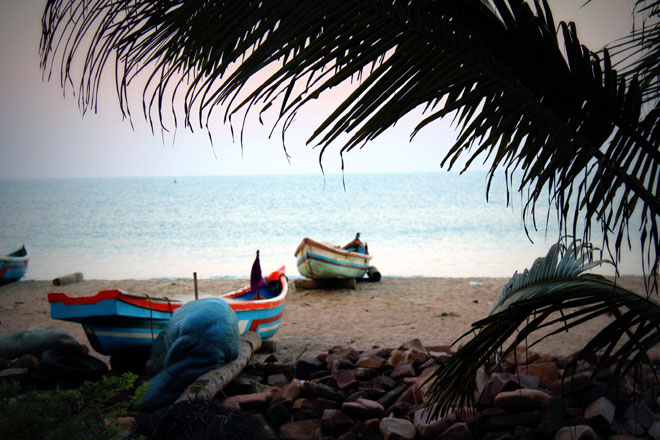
(243, 384)
(320, 404)
(511, 419)
(572, 383)
(360, 431)
(306, 366)
(334, 422)
(277, 380)
(340, 363)
(547, 372)
(264, 428)
(320, 390)
(385, 382)
(320, 374)
(389, 398)
(364, 373)
(343, 352)
(305, 414)
(374, 362)
(256, 401)
(365, 393)
(278, 414)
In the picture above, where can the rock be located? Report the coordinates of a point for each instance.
(385, 382)
(303, 430)
(654, 431)
(522, 399)
(600, 414)
(360, 431)
(579, 432)
(278, 414)
(363, 373)
(306, 414)
(250, 401)
(334, 421)
(343, 378)
(639, 412)
(397, 429)
(389, 398)
(396, 358)
(547, 372)
(430, 428)
(277, 380)
(320, 404)
(363, 409)
(288, 393)
(510, 420)
(375, 362)
(457, 431)
(521, 356)
(403, 370)
(306, 366)
(320, 390)
(343, 352)
(572, 383)
(500, 382)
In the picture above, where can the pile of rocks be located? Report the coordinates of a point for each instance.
(380, 394)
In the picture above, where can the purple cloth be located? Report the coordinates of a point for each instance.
(256, 280)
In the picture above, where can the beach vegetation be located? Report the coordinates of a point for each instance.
(556, 294)
(79, 413)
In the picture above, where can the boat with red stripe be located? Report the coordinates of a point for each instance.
(14, 265)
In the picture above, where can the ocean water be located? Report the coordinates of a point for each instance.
(426, 224)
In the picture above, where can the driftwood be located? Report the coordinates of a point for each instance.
(332, 283)
(68, 279)
(212, 382)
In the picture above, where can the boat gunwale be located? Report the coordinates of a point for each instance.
(16, 259)
(260, 304)
(342, 252)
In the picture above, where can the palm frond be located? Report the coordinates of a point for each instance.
(577, 131)
(555, 285)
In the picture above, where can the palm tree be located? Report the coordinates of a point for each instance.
(525, 95)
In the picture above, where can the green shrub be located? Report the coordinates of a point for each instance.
(76, 414)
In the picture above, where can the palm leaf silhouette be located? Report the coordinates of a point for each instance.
(531, 301)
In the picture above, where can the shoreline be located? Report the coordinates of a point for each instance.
(385, 314)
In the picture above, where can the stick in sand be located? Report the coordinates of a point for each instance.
(209, 384)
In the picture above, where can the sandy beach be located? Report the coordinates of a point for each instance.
(388, 313)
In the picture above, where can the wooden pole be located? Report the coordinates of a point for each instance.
(209, 384)
(195, 282)
(68, 279)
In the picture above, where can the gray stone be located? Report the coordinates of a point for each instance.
(579, 432)
(397, 429)
(600, 414)
(430, 427)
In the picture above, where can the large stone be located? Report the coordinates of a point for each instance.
(288, 393)
(256, 401)
(397, 429)
(430, 427)
(334, 421)
(306, 366)
(340, 363)
(403, 370)
(363, 409)
(375, 362)
(522, 399)
(303, 430)
(521, 356)
(344, 352)
(343, 378)
(457, 431)
(389, 398)
(572, 383)
(547, 372)
(600, 414)
(579, 432)
(278, 414)
(321, 390)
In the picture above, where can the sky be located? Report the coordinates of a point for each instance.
(44, 135)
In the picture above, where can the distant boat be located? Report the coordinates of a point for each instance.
(14, 265)
(117, 323)
(323, 261)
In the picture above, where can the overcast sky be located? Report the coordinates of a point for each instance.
(43, 134)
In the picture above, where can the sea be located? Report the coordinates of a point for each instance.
(437, 224)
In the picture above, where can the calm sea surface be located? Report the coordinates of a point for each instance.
(429, 224)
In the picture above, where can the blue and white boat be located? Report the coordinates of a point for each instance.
(324, 261)
(14, 265)
(118, 323)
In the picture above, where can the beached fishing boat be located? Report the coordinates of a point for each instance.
(117, 323)
(14, 265)
(323, 261)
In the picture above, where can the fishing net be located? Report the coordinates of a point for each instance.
(197, 419)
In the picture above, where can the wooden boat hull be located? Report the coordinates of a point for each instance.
(319, 261)
(14, 265)
(117, 323)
